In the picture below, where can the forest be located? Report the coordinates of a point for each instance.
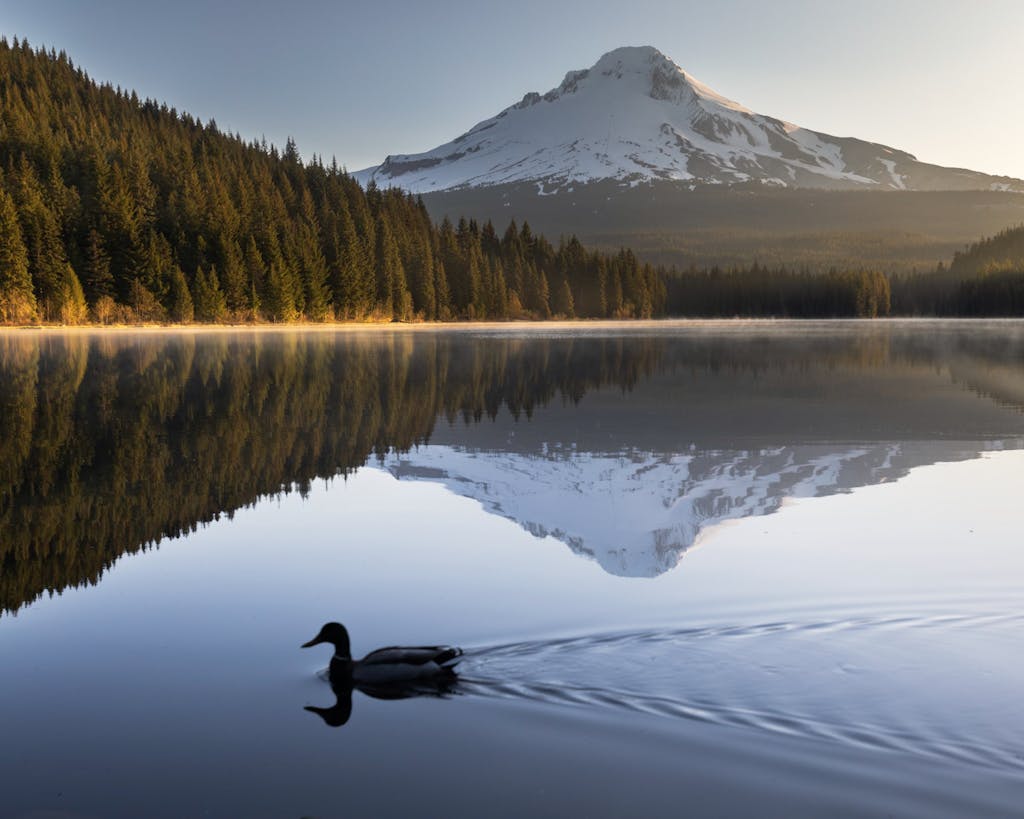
(121, 210)
(778, 292)
(118, 209)
(984, 280)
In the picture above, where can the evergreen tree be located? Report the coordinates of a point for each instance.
(441, 295)
(390, 276)
(563, 304)
(279, 304)
(602, 288)
(233, 281)
(97, 278)
(254, 278)
(422, 284)
(314, 272)
(72, 308)
(208, 297)
(346, 272)
(42, 240)
(143, 304)
(537, 292)
(181, 307)
(17, 300)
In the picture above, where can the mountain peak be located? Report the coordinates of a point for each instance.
(631, 58)
(635, 116)
(645, 70)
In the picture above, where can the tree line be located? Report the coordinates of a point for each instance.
(114, 208)
(779, 292)
(986, 279)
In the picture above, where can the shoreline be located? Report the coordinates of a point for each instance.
(559, 325)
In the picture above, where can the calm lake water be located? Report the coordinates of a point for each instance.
(708, 570)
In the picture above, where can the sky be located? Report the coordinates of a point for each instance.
(360, 80)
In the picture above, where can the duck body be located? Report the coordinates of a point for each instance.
(398, 664)
(395, 664)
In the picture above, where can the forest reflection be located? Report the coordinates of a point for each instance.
(112, 442)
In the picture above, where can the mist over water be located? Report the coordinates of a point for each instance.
(784, 557)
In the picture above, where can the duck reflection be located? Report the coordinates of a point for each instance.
(393, 673)
(339, 713)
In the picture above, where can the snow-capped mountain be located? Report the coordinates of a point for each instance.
(634, 117)
(636, 513)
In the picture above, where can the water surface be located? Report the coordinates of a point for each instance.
(704, 569)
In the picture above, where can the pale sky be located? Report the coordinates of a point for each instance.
(359, 80)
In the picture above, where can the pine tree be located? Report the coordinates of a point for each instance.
(497, 292)
(313, 271)
(279, 304)
(181, 308)
(563, 303)
(345, 271)
(543, 296)
(17, 301)
(422, 280)
(207, 296)
(255, 274)
(441, 295)
(144, 305)
(72, 307)
(537, 295)
(41, 235)
(120, 222)
(97, 279)
(390, 276)
(602, 288)
(231, 264)
(475, 305)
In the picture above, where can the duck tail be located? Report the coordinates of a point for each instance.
(448, 657)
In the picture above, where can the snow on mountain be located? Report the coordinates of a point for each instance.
(635, 116)
(636, 513)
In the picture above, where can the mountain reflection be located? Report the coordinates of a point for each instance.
(628, 444)
(636, 513)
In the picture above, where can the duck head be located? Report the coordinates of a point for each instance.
(337, 635)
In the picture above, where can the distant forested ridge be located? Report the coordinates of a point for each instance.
(725, 226)
(115, 208)
(984, 280)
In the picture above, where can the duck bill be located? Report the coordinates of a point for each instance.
(315, 641)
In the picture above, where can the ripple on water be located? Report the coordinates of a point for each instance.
(892, 683)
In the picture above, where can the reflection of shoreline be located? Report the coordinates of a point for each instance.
(540, 327)
(117, 439)
(637, 513)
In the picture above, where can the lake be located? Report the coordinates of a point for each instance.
(770, 569)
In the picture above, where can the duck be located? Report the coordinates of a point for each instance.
(385, 666)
